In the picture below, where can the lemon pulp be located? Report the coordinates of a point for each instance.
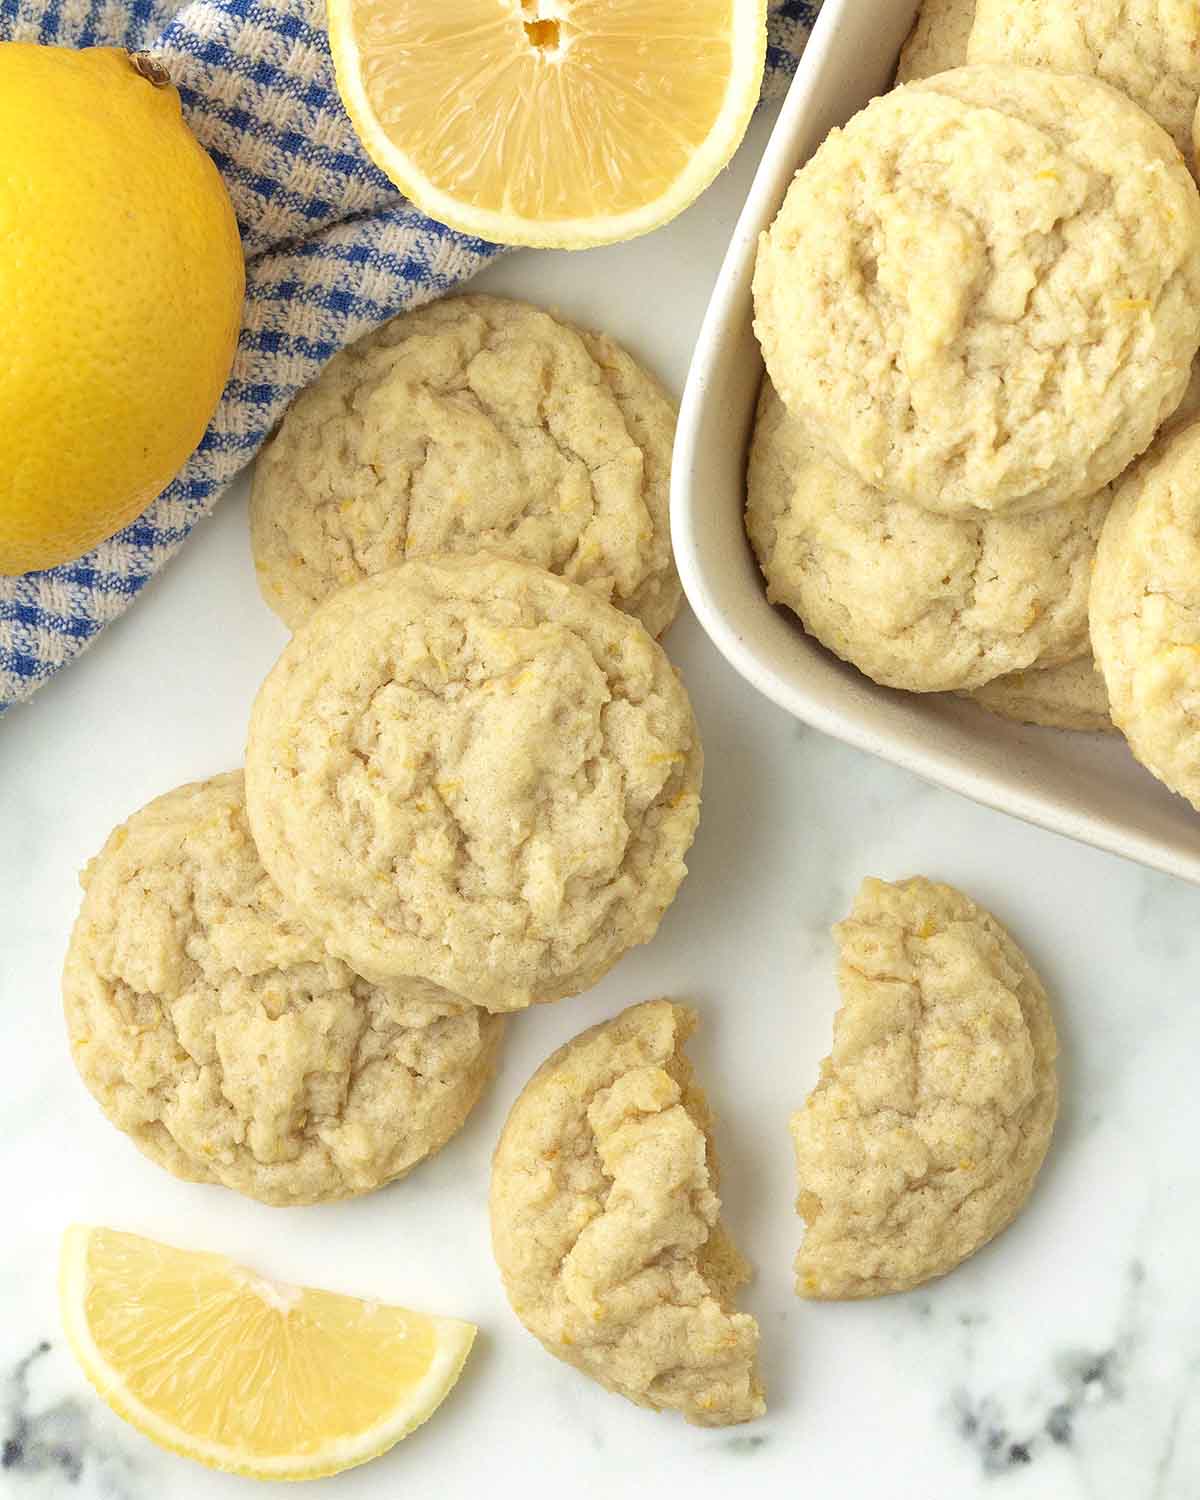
(241, 1373)
(550, 121)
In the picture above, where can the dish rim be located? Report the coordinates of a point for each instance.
(1012, 790)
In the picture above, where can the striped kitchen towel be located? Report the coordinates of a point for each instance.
(331, 249)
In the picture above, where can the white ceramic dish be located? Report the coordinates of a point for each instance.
(1086, 786)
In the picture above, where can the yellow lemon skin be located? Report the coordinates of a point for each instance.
(121, 286)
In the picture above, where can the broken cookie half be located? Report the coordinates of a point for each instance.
(605, 1222)
(934, 1110)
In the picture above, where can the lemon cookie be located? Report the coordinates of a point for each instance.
(914, 599)
(938, 39)
(213, 1027)
(1071, 696)
(472, 424)
(606, 1228)
(471, 771)
(1145, 610)
(1149, 49)
(984, 292)
(935, 1108)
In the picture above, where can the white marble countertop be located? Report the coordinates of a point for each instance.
(1062, 1363)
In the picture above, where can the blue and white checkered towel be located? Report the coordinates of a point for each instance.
(332, 250)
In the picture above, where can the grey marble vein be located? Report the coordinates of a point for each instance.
(56, 1444)
(1084, 1382)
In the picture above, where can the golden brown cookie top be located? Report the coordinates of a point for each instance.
(1145, 610)
(472, 424)
(605, 1222)
(470, 771)
(935, 1108)
(938, 39)
(1070, 696)
(916, 600)
(213, 1026)
(1148, 49)
(984, 291)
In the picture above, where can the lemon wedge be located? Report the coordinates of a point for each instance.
(560, 123)
(266, 1380)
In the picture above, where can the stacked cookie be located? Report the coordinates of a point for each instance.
(471, 779)
(470, 772)
(1149, 52)
(978, 312)
(475, 423)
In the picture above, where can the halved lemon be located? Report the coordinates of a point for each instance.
(550, 122)
(271, 1381)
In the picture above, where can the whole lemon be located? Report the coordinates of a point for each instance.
(121, 285)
